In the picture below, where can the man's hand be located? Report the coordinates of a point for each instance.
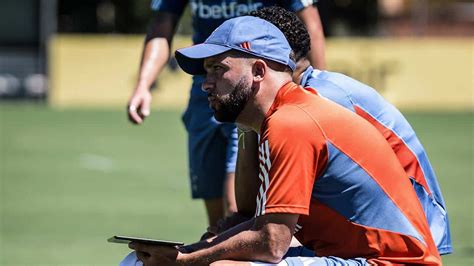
(155, 255)
(154, 58)
(224, 224)
(139, 105)
(230, 221)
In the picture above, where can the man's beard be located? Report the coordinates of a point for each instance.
(230, 107)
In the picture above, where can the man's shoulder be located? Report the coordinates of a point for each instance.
(299, 107)
(312, 113)
(336, 86)
(293, 121)
(291, 114)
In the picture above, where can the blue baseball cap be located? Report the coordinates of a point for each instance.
(246, 34)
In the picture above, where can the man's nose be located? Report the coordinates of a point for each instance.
(206, 85)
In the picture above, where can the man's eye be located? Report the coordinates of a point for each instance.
(216, 67)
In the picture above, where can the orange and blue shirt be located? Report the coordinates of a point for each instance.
(370, 105)
(337, 172)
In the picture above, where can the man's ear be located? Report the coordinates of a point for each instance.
(259, 70)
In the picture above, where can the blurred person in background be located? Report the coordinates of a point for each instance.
(212, 146)
(360, 99)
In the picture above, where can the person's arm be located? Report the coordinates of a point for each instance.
(155, 56)
(310, 17)
(265, 238)
(246, 173)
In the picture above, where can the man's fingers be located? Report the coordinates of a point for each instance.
(133, 245)
(145, 108)
(168, 252)
(142, 256)
(138, 246)
(154, 254)
(213, 229)
(139, 106)
(133, 115)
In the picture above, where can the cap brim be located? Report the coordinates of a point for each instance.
(191, 59)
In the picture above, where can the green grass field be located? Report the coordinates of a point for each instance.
(70, 179)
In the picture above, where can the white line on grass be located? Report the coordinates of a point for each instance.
(96, 162)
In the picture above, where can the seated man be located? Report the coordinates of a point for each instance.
(367, 103)
(326, 175)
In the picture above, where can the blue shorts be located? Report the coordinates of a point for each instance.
(212, 147)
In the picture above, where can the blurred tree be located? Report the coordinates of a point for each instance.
(349, 17)
(132, 16)
(77, 16)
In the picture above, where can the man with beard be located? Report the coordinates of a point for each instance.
(367, 103)
(326, 175)
(212, 146)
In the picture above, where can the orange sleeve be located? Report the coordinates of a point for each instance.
(292, 152)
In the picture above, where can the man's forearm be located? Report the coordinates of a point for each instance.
(154, 58)
(317, 54)
(156, 51)
(246, 175)
(311, 19)
(246, 246)
(244, 242)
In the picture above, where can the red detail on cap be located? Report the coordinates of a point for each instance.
(245, 45)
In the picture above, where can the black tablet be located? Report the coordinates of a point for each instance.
(128, 239)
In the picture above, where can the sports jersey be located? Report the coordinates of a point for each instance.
(370, 105)
(337, 171)
(209, 14)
